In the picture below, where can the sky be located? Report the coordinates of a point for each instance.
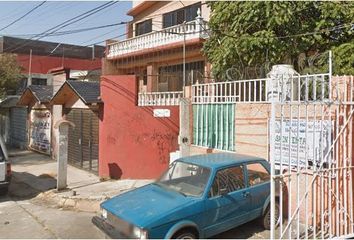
(52, 13)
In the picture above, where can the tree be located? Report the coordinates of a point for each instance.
(10, 74)
(261, 34)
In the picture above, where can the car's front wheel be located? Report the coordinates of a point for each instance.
(184, 235)
(265, 220)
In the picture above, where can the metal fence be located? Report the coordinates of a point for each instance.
(248, 91)
(311, 148)
(311, 129)
(300, 88)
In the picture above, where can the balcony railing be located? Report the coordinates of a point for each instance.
(159, 98)
(191, 30)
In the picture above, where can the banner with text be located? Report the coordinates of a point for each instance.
(302, 141)
(40, 130)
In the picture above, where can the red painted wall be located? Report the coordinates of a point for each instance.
(41, 64)
(133, 143)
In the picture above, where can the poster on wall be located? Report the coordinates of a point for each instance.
(40, 130)
(300, 147)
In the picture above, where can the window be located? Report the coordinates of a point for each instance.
(187, 14)
(39, 81)
(143, 27)
(171, 77)
(257, 174)
(230, 179)
(2, 158)
(187, 179)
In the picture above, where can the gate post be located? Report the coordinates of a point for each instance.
(63, 126)
(184, 132)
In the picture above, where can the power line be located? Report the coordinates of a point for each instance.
(81, 17)
(23, 16)
(90, 44)
(72, 31)
(65, 24)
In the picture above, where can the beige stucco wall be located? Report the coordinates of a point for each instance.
(251, 129)
(75, 102)
(155, 12)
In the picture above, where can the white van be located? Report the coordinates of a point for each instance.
(5, 169)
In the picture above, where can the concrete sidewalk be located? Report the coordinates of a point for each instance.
(85, 190)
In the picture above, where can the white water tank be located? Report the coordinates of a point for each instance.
(283, 83)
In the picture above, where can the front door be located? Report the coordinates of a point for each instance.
(83, 139)
(228, 202)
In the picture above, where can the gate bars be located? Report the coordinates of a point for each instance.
(311, 146)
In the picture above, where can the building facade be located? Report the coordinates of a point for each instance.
(142, 83)
(45, 67)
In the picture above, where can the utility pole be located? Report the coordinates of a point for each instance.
(184, 57)
(29, 80)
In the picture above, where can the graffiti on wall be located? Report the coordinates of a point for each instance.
(40, 130)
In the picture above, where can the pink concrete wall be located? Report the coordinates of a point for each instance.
(133, 143)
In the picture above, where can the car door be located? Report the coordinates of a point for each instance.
(258, 182)
(228, 201)
(2, 161)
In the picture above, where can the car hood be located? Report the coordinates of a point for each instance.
(145, 205)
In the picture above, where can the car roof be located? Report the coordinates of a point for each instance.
(219, 160)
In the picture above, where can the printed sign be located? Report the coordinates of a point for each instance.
(162, 113)
(40, 130)
(298, 145)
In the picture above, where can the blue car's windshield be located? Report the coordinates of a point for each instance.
(187, 179)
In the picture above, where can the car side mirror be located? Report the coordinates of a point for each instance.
(223, 191)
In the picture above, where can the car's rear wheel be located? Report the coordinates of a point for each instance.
(184, 234)
(265, 220)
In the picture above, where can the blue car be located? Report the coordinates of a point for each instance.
(197, 197)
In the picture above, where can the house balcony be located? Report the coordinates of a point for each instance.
(196, 29)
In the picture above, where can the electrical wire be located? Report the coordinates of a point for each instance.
(64, 24)
(23, 16)
(73, 31)
(90, 44)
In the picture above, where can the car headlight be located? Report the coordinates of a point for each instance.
(104, 213)
(139, 233)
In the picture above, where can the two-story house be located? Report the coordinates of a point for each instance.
(142, 82)
(164, 40)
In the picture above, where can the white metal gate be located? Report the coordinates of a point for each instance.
(311, 146)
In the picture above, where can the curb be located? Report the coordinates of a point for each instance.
(19, 153)
(90, 204)
(72, 203)
(65, 199)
